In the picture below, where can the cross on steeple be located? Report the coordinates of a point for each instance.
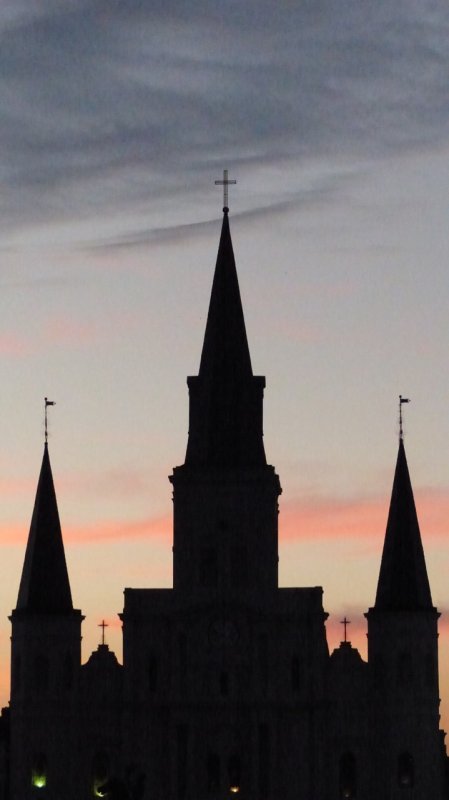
(47, 403)
(103, 625)
(225, 183)
(345, 622)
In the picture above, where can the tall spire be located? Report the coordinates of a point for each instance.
(225, 352)
(225, 399)
(403, 583)
(44, 586)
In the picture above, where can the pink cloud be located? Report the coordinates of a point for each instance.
(16, 534)
(113, 482)
(360, 518)
(63, 330)
(13, 345)
(107, 530)
(12, 487)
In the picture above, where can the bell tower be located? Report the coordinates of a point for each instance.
(46, 657)
(403, 658)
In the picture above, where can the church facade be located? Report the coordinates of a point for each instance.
(227, 686)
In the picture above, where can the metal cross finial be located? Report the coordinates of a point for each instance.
(345, 622)
(401, 430)
(225, 183)
(47, 403)
(103, 625)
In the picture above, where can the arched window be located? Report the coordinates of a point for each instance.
(67, 672)
(224, 683)
(404, 668)
(406, 771)
(100, 773)
(378, 672)
(39, 772)
(264, 776)
(16, 673)
(430, 671)
(41, 674)
(213, 772)
(153, 670)
(348, 777)
(239, 565)
(295, 673)
(208, 567)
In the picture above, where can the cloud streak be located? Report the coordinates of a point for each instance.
(101, 531)
(363, 519)
(106, 104)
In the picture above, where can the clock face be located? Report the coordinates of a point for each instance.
(223, 633)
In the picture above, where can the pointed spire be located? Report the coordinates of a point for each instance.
(225, 350)
(44, 586)
(403, 583)
(225, 428)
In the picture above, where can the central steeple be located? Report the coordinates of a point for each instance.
(225, 356)
(225, 427)
(225, 495)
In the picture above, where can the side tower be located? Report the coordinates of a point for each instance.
(403, 659)
(45, 664)
(225, 495)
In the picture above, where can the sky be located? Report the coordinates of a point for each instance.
(117, 118)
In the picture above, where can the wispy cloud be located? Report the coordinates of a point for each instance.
(363, 519)
(109, 103)
(103, 530)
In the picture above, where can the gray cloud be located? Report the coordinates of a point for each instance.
(106, 103)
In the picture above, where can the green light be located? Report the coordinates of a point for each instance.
(39, 781)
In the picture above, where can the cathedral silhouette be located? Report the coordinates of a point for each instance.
(227, 686)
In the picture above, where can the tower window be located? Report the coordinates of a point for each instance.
(378, 672)
(264, 771)
(41, 674)
(224, 684)
(153, 669)
(239, 565)
(404, 668)
(208, 567)
(213, 772)
(262, 655)
(295, 674)
(68, 672)
(181, 772)
(17, 673)
(430, 671)
(348, 777)
(406, 771)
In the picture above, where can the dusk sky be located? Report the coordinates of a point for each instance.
(117, 117)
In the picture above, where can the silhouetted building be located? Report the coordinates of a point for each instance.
(227, 686)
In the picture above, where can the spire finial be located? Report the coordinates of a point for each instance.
(402, 400)
(47, 403)
(103, 625)
(345, 622)
(225, 183)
